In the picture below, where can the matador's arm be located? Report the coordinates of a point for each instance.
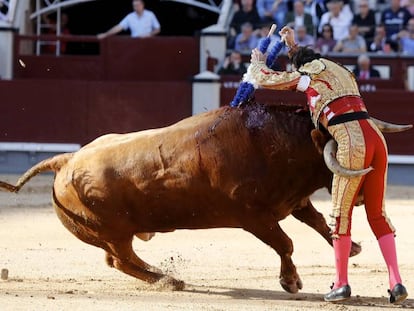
(262, 76)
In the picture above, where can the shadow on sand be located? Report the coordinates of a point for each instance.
(258, 294)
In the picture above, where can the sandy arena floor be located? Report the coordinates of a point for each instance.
(224, 269)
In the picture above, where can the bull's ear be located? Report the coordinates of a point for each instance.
(319, 139)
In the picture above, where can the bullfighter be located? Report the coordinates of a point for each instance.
(335, 104)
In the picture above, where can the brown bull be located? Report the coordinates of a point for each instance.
(244, 168)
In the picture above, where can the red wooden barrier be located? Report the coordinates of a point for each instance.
(66, 111)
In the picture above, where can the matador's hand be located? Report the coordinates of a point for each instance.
(257, 56)
(288, 35)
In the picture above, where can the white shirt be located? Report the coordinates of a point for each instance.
(299, 20)
(340, 23)
(140, 26)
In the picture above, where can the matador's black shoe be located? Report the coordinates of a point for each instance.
(339, 294)
(398, 293)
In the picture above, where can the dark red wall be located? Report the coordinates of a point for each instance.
(128, 85)
(66, 111)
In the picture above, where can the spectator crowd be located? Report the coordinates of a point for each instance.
(341, 26)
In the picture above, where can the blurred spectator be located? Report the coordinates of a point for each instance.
(233, 65)
(141, 23)
(364, 69)
(50, 28)
(272, 11)
(303, 38)
(246, 14)
(339, 16)
(409, 5)
(407, 39)
(246, 41)
(236, 5)
(395, 19)
(381, 43)
(365, 20)
(316, 8)
(326, 42)
(299, 18)
(353, 43)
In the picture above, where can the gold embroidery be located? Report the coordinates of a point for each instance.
(313, 68)
(332, 83)
(261, 75)
(329, 79)
(350, 154)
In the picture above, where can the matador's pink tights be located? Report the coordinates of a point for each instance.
(342, 247)
(388, 249)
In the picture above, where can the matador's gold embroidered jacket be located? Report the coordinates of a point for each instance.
(322, 80)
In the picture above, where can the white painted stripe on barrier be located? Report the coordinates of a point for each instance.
(400, 159)
(38, 147)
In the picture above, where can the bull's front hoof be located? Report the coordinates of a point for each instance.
(292, 286)
(355, 249)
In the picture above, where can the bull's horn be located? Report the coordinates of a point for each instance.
(329, 152)
(387, 127)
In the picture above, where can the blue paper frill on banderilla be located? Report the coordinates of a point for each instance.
(246, 88)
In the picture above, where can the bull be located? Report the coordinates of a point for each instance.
(246, 167)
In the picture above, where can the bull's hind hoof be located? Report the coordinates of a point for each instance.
(291, 287)
(172, 283)
(178, 285)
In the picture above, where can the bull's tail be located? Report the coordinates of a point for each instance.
(51, 164)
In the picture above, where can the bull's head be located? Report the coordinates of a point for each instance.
(329, 151)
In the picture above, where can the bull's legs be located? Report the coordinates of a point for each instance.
(135, 260)
(122, 257)
(310, 216)
(270, 233)
(119, 252)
